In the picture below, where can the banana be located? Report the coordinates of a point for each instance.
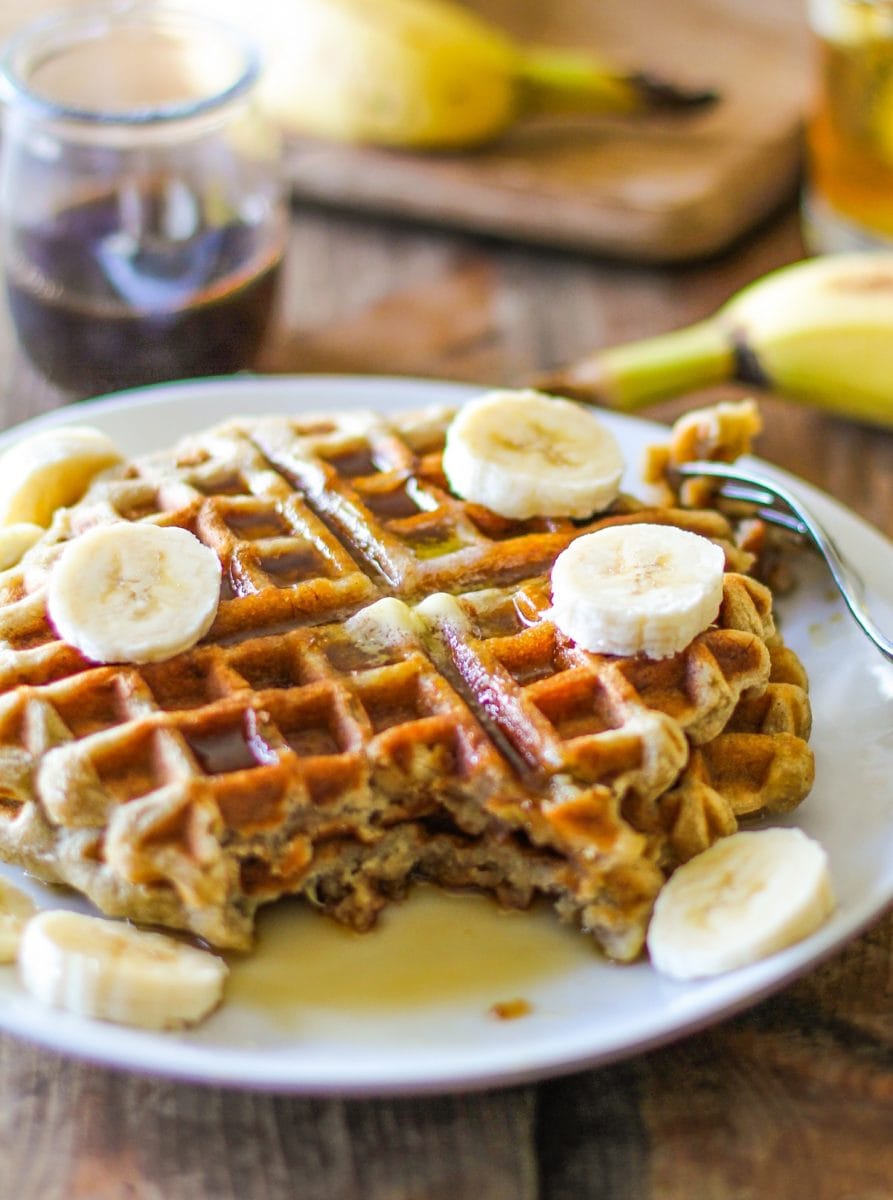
(105, 969)
(50, 470)
(523, 454)
(134, 593)
(16, 909)
(424, 74)
(16, 540)
(637, 589)
(746, 897)
(819, 331)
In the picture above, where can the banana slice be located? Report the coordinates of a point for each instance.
(746, 897)
(134, 593)
(105, 969)
(637, 589)
(523, 454)
(51, 470)
(16, 909)
(15, 540)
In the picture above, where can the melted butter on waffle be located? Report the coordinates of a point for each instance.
(381, 698)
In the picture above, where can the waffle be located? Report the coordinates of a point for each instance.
(382, 696)
(283, 565)
(380, 486)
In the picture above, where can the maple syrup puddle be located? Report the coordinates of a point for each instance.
(433, 948)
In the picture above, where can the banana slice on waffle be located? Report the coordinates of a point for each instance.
(638, 589)
(134, 593)
(524, 454)
(50, 470)
(16, 540)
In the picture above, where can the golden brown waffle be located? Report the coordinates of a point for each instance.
(187, 792)
(340, 729)
(379, 484)
(566, 713)
(759, 764)
(282, 565)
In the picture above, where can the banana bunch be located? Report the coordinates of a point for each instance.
(423, 74)
(820, 331)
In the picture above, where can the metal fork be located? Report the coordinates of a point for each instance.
(777, 506)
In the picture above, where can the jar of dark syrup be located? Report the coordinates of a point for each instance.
(142, 206)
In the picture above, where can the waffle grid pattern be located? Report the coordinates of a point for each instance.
(381, 486)
(323, 743)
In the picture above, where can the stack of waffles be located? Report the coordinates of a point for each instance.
(382, 697)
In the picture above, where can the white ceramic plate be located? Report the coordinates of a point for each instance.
(423, 1021)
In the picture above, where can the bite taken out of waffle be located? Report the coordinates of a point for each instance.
(383, 696)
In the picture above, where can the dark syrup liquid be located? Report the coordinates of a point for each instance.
(98, 309)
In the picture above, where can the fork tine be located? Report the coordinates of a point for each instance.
(764, 503)
(735, 482)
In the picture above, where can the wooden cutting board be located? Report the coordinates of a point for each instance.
(659, 189)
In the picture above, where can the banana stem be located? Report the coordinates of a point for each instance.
(556, 81)
(628, 377)
(552, 81)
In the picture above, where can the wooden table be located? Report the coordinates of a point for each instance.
(793, 1099)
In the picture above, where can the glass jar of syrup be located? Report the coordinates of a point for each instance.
(142, 208)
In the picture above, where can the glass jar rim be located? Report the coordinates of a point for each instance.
(62, 30)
